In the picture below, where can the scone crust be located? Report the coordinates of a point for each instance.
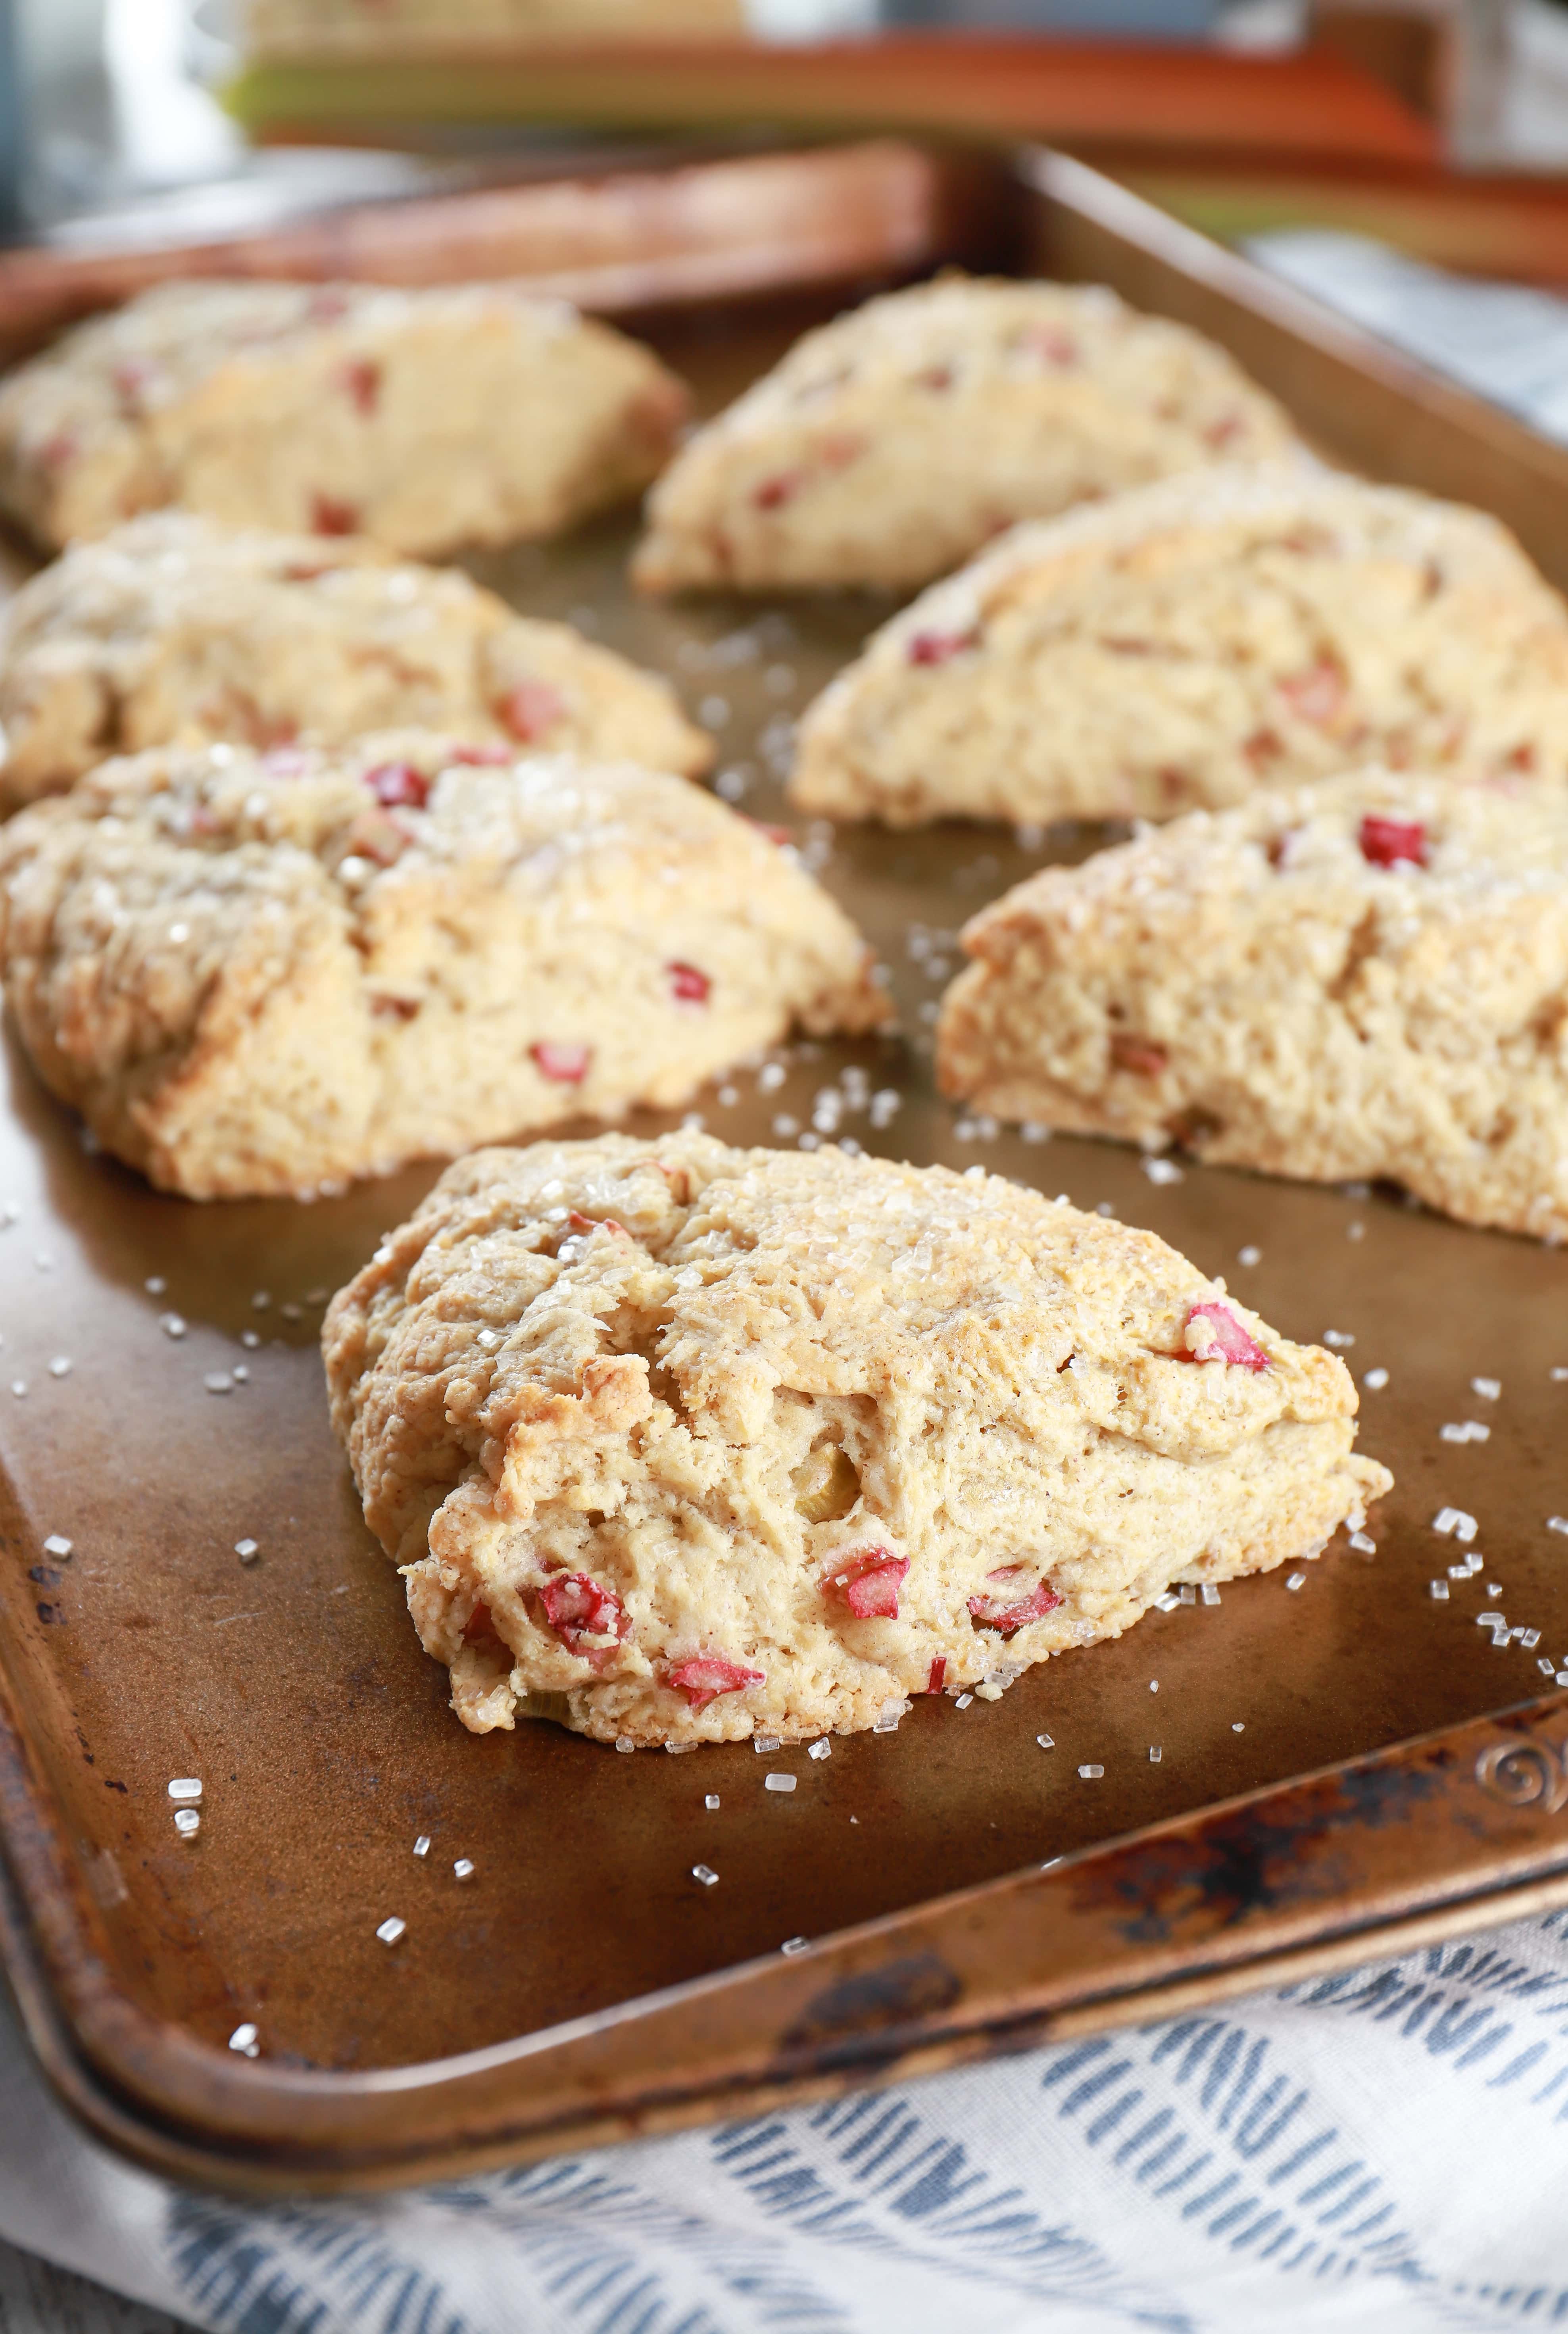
(1182, 645)
(892, 443)
(633, 1418)
(429, 418)
(174, 630)
(1277, 988)
(268, 974)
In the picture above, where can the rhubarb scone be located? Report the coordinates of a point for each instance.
(174, 630)
(890, 444)
(1367, 978)
(679, 1443)
(265, 974)
(429, 418)
(1184, 644)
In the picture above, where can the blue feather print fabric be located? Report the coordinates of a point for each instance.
(1369, 2152)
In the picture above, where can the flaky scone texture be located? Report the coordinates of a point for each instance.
(429, 418)
(1183, 644)
(890, 444)
(174, 630)
(1367, 978)
(679, 1443)
(268, 974)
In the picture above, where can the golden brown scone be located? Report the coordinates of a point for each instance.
(1184, 644)
(1366, 978)
(265, 974)
(890, 444)
(429, 418)
(680, 1443)
(174, 630)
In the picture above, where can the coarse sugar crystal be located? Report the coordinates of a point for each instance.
(778, 1782)
(1490, 1389)
(704, 1873)
(1046, 1742)
(247, 1549)
(390, 1930)
(1090, 1774)
(1209, 1593)
(1363, 1545)
(1155, 1753)
(822, 1749)
(243, 2039)
(624, 1743)
(1249, 1255)
(1293, 1580)
(60, 1367)
(187, 1822)
(1438, 1591)
(710, 1799)
(795, 1946)
(1374, 1380)
(185, 1787)
(1454, 1521)
(463, 1868)
(762, 1744)
(422, 1845)
(57, 1545)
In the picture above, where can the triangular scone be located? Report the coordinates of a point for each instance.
(679, 1443)
(429, 418)
(1365, 978)
(174, 630)
(265, 974)
(890, 444)
(1185, 644)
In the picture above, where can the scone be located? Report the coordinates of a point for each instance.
(679, 1443)
(890, 444)
(1366, 978)
(174, 630)
(266, 974)
(457, 414)
(1185, 644)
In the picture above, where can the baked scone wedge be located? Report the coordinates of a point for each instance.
(1366, 978)
(890, 444)
(1180, 645)
(679, 1443)
(174, 630)
(429, 418)
(266, 974)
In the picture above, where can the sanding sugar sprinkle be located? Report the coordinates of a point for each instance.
(1293, 1580)
(218, 1382)
(1374, 1380)
(1046, 1742)
(1155, 1753)
(422, 1845)
(463, 1869)
(57, 1545)
(171, 1324)
(1557, 1523)
(822, 1749)
(1363, 1545)
(624, 1743)
(390, 1930)
(764, 1742)
(704, 1873)
(962, 1702)
(187, 1822)
(710, 1799)
(1090, 1774)
(1162, 1170)
(184, 1787)
(778, 1782)
(60, 1367)
(245, 2039)
(1490, 1389)
(1249, 1255)
(248, 1550)
(1456, 1521)
(1342, 1337)
(795, 1946)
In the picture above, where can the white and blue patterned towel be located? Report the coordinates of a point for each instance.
(1368, 2153)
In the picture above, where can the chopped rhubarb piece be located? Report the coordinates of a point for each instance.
(870, 1579)
(705, 1678)
(839, 450)
(995, 1612)
(362, 380)
(1141, 1054)
(577, 1222)
(935, 377)
(1264, 745)
(1050, 343)
(397, 785)
(937, 1678)
(567, 1065)
(1222, 1338)
(779, 834)
(937, 648)
(480, 1622)
(578, 1609)
(531, 709)
(689, 986)
(394, 1008)
(774, 493)
(1222, 432)
(56, 451)
(377, 837)
(1393, 841)
(330, 517)
(131, 377)
(1315, 695)
(481, 756)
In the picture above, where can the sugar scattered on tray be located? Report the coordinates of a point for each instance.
(184, 1787)
(1560, 1373)
(1438, 1591)
(19, 1387)
(1162, 1170)
(57, 1545)
(624, 1743)
(1454, 1521)
(1209, 1593)
(795, 1946)
(245, 2039)
(1238, 1726)
(171, 1324)
(1356, 1230)
(778, 1782)
(1293, 1580)
(1156, 1752)
(1090, 1774)
(248, 1550)
(463, 1869)
(822, 1749)
(249, 1339)
(1249, 1255)
(679, 1750)
(710, 1799)
(261, 1299)
(1363, 1545)
(422, 1845)
(1168, 1603)
(60, 1367)
(1374, 1380)
(1490, 1389)
(187, 1822)
(240, 1374)
(962, 1701)
(704, 1873)
(1557, 1523)
(1046, 1742)
(764, 1742)
(1340, 1337)
(218, 1382)
(390, 1930)
(1466, 1429)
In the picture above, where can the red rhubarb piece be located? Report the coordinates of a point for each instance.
(1050, 343)
(1223, 431)
(577, 1222)
(1393, 842)
(774, 493)
(937, 1678)
(56, 451)
(479, 1624)
(397, 785)
(330, 517)
(531, 710)
(567, 1065)
(577, 1606)
(996, 1613)
(362, 380)
(1141, 1054)
(870, 1580)
(481, 756)
(1228, 1341)
(1315, 695)
(131, 376)
(779, 834)
(937, 648)
(689, 986)
(705, 1678)
(394, 1008)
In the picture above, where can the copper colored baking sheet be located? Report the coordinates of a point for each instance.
(161, 1401)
